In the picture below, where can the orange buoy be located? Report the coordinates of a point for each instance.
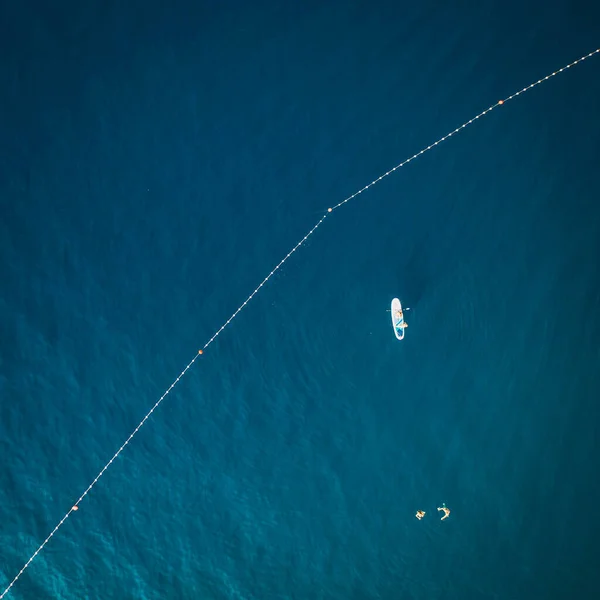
(329, 209)
(76, 507)
(200, 351)
(500, 101)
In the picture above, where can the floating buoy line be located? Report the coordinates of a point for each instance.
(75, 506)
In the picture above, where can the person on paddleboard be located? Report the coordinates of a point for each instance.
(400, 317)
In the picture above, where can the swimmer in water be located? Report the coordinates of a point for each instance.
(446, 512)
(420, 514)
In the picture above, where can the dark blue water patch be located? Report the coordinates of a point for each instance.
(158, 163)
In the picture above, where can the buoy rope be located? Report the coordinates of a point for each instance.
(75, 507)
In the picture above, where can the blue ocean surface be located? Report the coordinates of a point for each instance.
(158, 160)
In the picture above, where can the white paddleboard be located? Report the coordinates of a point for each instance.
(397, 318)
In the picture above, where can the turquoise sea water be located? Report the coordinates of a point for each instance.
(159, 160)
